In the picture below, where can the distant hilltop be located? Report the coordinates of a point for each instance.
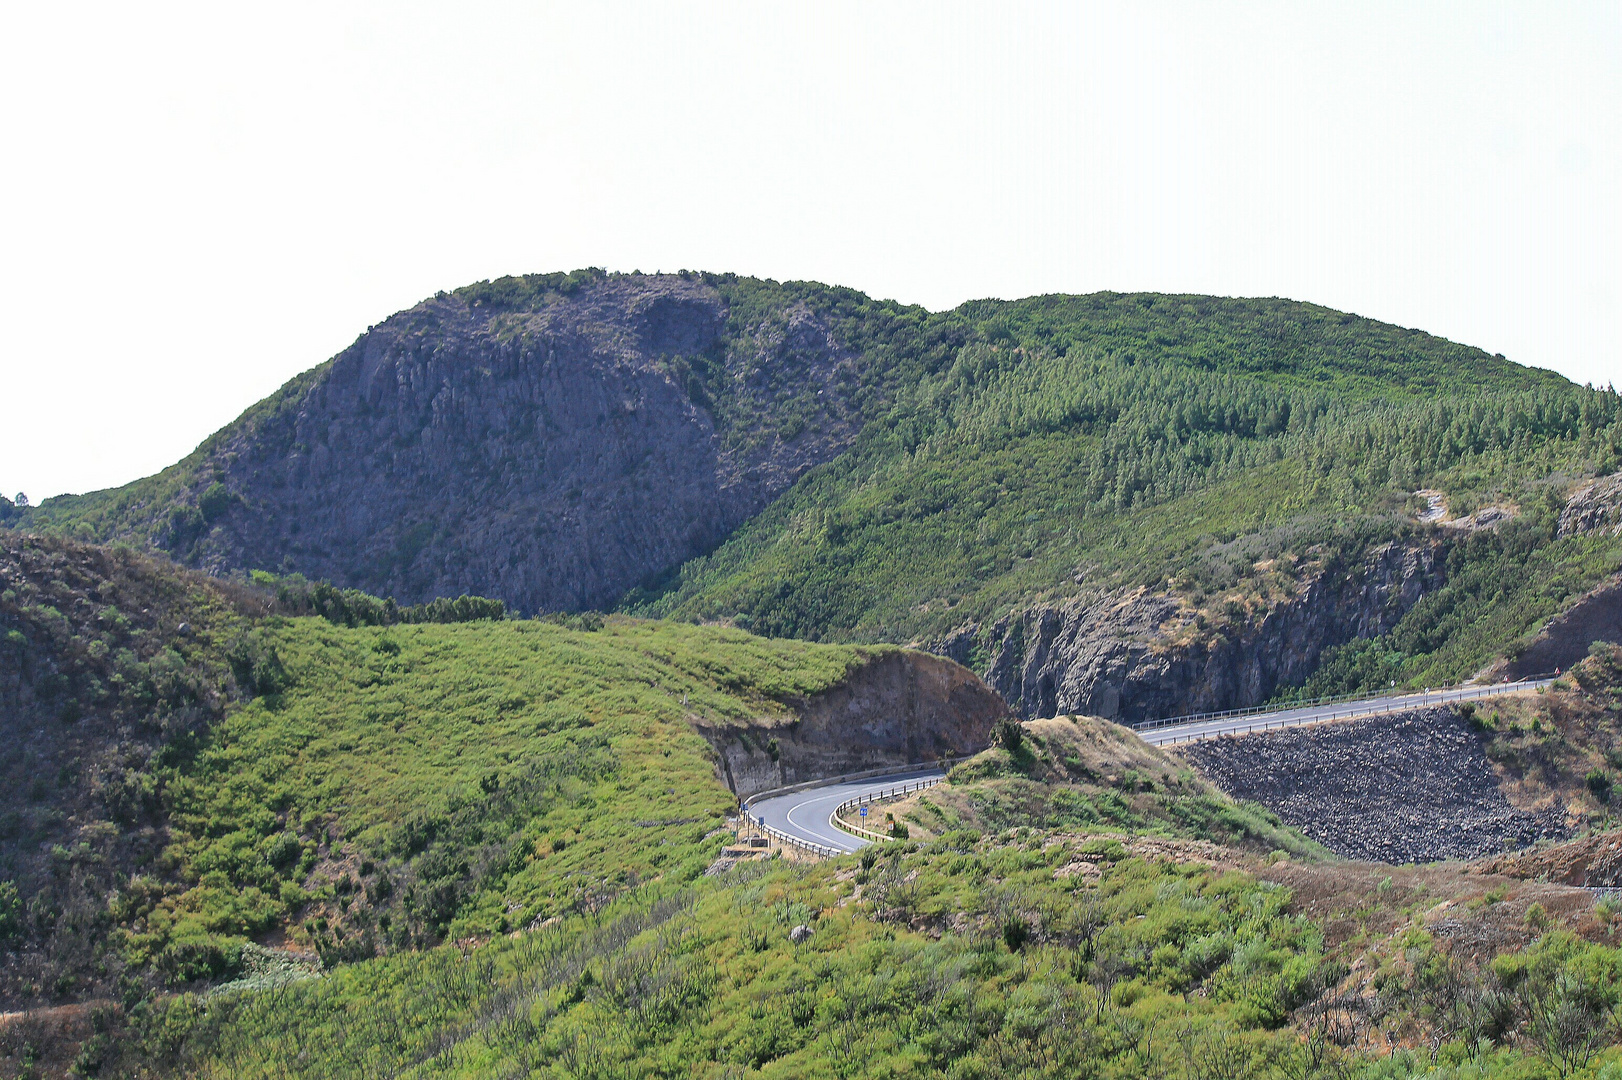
(1126, 504)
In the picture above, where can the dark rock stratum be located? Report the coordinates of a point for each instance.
(553, 454)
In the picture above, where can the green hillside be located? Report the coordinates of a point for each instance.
(284, 830)
(1017, 469)
(1021, 955)
(440, 781)
(705, 981)
(354, 789)
(255, 825)
(1000, 454)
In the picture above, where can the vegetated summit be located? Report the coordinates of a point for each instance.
(1122, 504)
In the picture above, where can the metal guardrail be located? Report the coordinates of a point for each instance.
(865, 800)
(1352, 711)
(1339, 699)
(809, 846)
(821, 851)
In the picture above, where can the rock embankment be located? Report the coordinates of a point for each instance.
(1408, 787)
(1108, 655)
(901, 707)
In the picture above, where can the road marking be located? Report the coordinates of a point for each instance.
(806, 830)
(831, 796)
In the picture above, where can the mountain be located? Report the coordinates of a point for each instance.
(276, 828)
(1124, 504)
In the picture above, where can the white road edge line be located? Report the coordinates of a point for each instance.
(788, 816)
(852, 836)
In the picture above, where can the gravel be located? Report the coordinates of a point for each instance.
(1408, 787)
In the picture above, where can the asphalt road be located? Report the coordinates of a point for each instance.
(805, 813)
(1312, 714)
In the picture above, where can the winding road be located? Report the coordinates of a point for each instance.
(1158, 733)
(804, 815)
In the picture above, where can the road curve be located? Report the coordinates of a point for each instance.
(805, 814)
(1312, 714)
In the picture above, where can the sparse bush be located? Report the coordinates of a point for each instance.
(1015, 931)
(10, 912)
(214, 502)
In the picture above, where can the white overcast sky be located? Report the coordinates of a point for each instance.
(199, 202)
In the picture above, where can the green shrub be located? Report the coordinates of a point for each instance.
(10, 912)
(214, 502)
(1011, 735)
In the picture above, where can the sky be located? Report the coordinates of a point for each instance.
(200, 201)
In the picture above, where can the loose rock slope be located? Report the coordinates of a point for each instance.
(1409, 787)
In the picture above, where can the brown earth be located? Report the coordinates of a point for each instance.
(45, 1042)
(1467, 907)
(1593, 861)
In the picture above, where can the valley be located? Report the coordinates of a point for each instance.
(408, 726)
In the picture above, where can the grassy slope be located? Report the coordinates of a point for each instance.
(1019, 956)
(414, 782)
(706, 982)
(1070, 773)
(172, 793)
(1287, 342)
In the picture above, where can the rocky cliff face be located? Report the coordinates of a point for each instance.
(553, 450)
(1593, 507)
(1125, 656)
(901, 708)
(1566, 638)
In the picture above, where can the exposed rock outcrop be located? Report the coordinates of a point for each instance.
(902, 707)
(553, 451)
(1113, 655)
(1593, 861)
(1594, 616)
(1408, 787)
(1593, 507)
(1566, 638)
